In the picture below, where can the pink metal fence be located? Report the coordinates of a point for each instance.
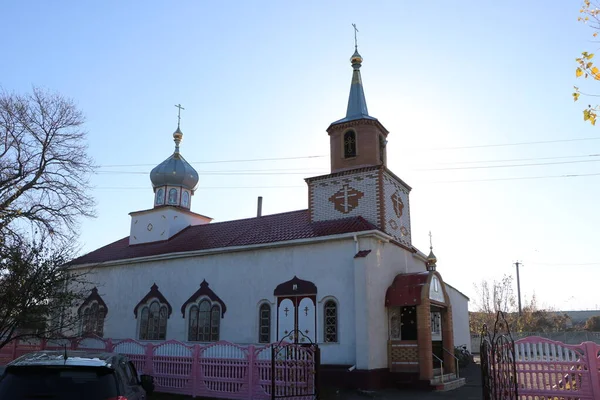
(219, 370)
(547, 369)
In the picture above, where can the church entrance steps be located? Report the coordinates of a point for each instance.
(450, 385)
(437, 379)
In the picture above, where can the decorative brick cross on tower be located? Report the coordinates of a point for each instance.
(346, 199)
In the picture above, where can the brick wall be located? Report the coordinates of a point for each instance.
(396, 208)
(361, 186)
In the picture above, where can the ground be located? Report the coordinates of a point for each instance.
(471, 391)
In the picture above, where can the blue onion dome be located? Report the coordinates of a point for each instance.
(175, 170)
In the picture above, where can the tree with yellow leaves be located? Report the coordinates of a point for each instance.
(590, 14)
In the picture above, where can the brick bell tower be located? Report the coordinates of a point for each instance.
(360, 184)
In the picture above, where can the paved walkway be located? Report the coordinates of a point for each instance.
(472, 390)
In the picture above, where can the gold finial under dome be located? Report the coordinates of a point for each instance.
(356, 58)
(178, 135)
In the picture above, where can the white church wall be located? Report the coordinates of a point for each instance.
(241, 280)
(161, 223)
(384, 263)
(460, 317)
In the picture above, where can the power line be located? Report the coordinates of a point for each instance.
(510, 144)
(217, 162)
(566, 264)
(517, 159)
(507, 166)
(322, 156)
(200, 188)
(237, 173)
(517, 178)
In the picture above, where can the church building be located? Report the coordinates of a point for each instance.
(343, 272)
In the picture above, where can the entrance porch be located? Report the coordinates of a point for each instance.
(420, 339)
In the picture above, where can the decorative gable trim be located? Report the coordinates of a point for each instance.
(154, 293)
(349, 171)
(204, 291)
(356, 122)
(295, 287)
(94, 296)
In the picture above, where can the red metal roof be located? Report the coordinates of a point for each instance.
(406, 289)
(243, 232)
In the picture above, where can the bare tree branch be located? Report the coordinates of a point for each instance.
(44, 165)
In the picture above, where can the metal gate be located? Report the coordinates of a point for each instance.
(295, 362)
(498, 367)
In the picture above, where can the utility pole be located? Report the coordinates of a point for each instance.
(519, 286)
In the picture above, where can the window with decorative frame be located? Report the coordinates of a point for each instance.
(204, 322)
(331, 321)
(349, 144)
(153, 321)
(264, 323)
(93, 320)
(172, 196)
(153, 311)
(204, 311)
(92, 314)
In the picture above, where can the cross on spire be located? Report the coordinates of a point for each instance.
(355, 40)
(179, 113)
(430, 241)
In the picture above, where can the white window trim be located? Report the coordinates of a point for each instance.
(273, 321)
(320, 311)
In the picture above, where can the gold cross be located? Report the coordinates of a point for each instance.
(179, 113)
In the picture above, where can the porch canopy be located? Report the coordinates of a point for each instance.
(406, 290)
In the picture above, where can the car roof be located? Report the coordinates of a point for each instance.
(83, 358)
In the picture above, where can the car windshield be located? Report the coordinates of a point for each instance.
(58, 383)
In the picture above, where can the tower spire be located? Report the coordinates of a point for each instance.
(178, 135)
(357, 105)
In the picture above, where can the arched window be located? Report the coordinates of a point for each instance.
(331, 321)
(185, 199)
(382, 144)
(173, 196)
(154, 310)
(349, 144)
(204, 310)
(204, 320)
(160, 197)
(153, 321)
(264, 323)
(92, 314)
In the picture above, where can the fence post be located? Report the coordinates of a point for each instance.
(109, 345)
(148, 365)
(251, 371)
(43, 344)
(591, 351)
(195, 362)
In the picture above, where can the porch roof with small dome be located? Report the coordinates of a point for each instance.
(406, 289)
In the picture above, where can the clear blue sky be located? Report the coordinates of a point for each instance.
(264, 79)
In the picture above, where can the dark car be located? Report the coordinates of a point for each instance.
(73, 375)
